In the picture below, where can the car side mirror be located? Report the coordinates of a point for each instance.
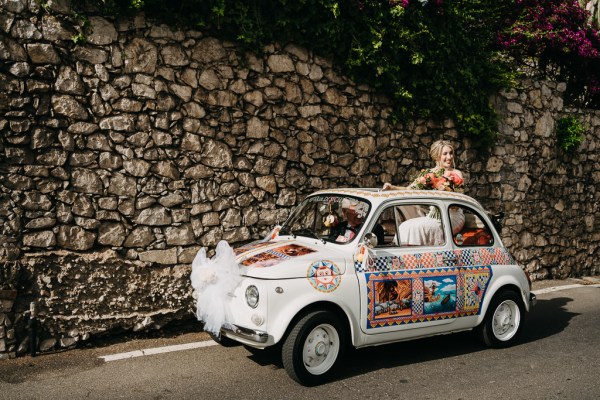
(497, 220)
(370, 240)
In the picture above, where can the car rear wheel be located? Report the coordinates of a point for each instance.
(314, 347)
(503, 321)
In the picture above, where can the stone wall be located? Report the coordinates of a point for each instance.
(551, 198)
(121, 157)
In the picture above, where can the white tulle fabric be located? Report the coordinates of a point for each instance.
(457, 219)
(427, 231)
(213, 279)
(422, 231)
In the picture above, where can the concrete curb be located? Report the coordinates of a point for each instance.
(554, 283)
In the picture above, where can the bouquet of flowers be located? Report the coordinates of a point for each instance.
(429, 179)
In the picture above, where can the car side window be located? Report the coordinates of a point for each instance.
(468, 228)
(388, 224)
(411, 225)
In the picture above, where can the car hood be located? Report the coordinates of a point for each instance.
(283, 259)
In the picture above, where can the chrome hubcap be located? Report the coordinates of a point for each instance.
(321, 349)
(507, 318)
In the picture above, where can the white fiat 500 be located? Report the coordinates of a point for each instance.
(364, 267)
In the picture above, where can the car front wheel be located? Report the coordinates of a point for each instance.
(503, 321)
(314, 347)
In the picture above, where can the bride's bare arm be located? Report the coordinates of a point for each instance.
(389, 186)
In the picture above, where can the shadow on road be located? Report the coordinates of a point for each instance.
(547, 318)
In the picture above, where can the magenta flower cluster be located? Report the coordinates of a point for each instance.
(406, 3)
(553, 24)
(553, 29)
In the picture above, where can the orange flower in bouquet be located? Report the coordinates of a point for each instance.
(428, 179)
(455, 181)
(439, 183)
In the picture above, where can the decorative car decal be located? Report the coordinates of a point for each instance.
(405, 297)
(253, 246)
(437, 259)
(250, 246)
(324, 276)
(264, 259)
(274, 255)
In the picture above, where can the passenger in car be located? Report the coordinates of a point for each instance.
(352, 223)
(444, 176)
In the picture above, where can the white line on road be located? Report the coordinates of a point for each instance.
(158, 350)
(196, 345)
(565, 287)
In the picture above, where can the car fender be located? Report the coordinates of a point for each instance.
(296, 297)
(504, 276)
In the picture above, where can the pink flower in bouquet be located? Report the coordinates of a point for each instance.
(444, 186)
(430, 180)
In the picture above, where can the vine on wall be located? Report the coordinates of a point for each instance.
(434, 58)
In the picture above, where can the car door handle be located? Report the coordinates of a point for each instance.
(451, 258)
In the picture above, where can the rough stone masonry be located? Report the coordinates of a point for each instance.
(122, 156)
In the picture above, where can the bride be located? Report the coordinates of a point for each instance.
(444, 176)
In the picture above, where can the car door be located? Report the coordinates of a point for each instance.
(476, 252)
(409, 280)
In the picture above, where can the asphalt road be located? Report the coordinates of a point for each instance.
(557, 357)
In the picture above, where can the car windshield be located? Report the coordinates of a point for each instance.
(333, 218)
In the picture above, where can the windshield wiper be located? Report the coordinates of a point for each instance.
(305, 232)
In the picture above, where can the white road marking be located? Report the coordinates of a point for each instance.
(565, 287)
(158, 350)
(207, 343)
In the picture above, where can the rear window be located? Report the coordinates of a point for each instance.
(468, 228)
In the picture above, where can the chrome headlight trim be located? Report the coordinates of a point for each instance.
(252, 296)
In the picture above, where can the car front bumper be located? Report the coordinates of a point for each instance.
(244, 335)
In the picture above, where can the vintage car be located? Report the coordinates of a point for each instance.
(345, 270)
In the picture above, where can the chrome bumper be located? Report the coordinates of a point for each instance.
(245, 334)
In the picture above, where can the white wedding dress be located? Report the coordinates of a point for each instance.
(427, 231)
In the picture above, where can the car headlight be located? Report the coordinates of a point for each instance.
(252, 296)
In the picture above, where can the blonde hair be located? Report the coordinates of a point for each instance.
(435, 151)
